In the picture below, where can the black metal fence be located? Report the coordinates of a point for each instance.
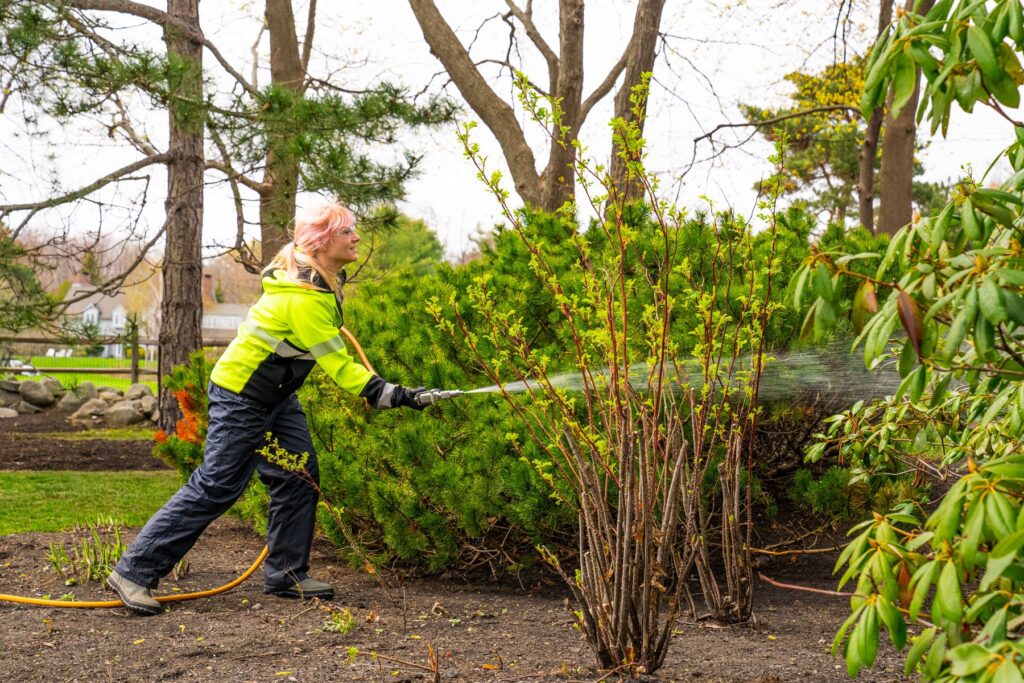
(115, 361)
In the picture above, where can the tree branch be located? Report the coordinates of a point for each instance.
(160, 17)
(243, 254)
(137, 141)
(34, 207)
(526, 18)
(115, 283)
(256, 54)
(496, 114)
(777, 119)
(232, 175)
(307, 40)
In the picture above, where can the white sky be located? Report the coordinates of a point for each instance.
(743, 48)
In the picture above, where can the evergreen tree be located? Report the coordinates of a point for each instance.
(23, 303)
(408, 244)
(825, 132)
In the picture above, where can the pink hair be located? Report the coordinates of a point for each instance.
(314, 229)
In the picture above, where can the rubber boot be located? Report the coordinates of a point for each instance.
(306, 589)
(138, 599)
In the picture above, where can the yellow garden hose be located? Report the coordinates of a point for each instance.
(183, 596)
(163, 598)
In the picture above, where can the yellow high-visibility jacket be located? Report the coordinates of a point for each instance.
(289, 330)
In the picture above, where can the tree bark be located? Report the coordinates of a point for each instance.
(897, 173)
(869, 148)
(181, 310)
(557, 182)
(549, 189)
(281, 174)
(495, 113)
(640, 57)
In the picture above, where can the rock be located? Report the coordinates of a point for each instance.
(9, 384)
(155, 417)
(123, 414)
(9, 399)
(148, 405)
(137, 391)
(101, 389)
(8, 412)
(110, 397)
(56, 388)
(70, 401)
(94, 407)
(86, 390)
(36, 393)
(24, 408)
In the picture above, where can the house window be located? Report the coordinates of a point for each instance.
(119, 319)
(91, 317)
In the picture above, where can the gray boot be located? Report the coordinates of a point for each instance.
(137, 598)
(306, 589)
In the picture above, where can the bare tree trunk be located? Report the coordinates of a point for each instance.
(181, 310)
(495, 113)
(640, 56)
(897, 174)
(869, 148)
(557, 182)
(281, 176)
(551, 188)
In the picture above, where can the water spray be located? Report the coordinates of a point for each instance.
(825, 376)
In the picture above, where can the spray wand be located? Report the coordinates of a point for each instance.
(432, 396)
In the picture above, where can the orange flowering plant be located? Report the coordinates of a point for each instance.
(184, 448)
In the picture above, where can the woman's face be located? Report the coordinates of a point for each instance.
(342, 249)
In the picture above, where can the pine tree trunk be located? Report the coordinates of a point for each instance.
(897, 174)
(181, 309)
(277, 202)
(869, 148)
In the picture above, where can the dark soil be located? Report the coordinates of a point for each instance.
(22, 447)
(482, 631)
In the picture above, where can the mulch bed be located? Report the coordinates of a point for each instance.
(21, 447)
(481, 630)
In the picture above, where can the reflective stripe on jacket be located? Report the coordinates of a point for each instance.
(289, 330)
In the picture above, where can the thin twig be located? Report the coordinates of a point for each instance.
(806, 589)
(798, 551)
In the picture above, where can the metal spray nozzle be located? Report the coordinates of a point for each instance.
(432, 396)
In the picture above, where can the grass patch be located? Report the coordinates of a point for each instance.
(71, 380)
(120, 434)
(88, 362)
(55, 501)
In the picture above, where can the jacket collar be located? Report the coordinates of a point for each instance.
(314, 278)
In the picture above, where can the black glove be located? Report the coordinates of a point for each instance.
(406, 397)
(383, 395)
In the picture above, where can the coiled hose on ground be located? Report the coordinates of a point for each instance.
(94, 604)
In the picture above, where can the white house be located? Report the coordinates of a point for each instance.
(220, 320)
(109, 315)
(106, 313)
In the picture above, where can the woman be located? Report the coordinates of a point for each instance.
(291, 328)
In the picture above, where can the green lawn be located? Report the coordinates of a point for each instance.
(54, 501)
(87, 362)
(45, 365)
(72, 379)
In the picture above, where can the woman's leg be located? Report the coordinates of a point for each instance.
(237, 427)
(293, 500)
